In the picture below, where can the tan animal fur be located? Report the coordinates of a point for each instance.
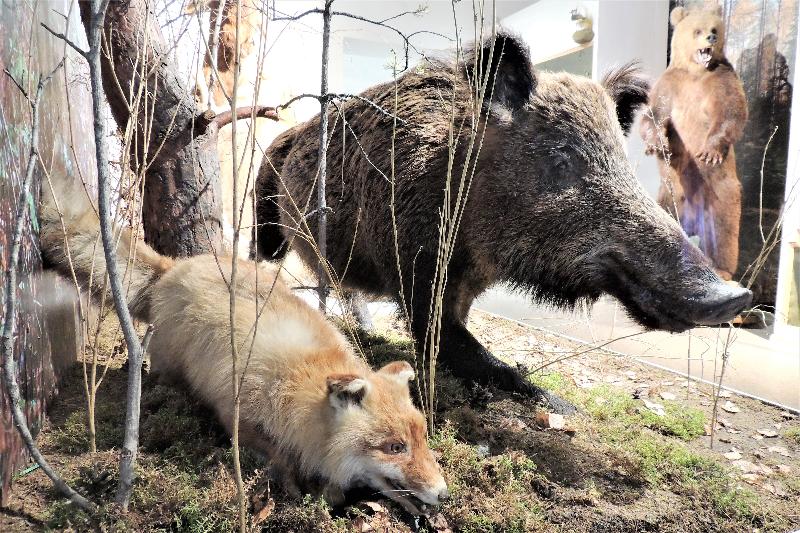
(306, 397)
(699, 112)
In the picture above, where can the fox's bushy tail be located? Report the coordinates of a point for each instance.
(70, 242)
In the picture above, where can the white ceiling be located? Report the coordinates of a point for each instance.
(439, 17)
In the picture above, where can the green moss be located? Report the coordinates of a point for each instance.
(73, 436)
(552, 381)
(310, 514)
(681, 421)
(792, 434)
(487, 494)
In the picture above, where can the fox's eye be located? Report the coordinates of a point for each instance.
(397, 447)
(697, 33)
(714, 31)
(394, 447)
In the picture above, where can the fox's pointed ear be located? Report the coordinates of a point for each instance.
(345, 390)
(629, 90)
(400, 371)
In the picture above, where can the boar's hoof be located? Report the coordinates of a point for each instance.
(553, 403)
(486, 369)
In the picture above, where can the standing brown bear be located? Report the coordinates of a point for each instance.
(698, 113)
(553, 206)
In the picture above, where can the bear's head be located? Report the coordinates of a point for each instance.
(698, 38)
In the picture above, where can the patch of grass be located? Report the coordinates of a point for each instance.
(637, 435)
(792, 434)
(487, 494)
(166, 498)
(792, 484)
(681, 421)
(552, 381)
(664, 463)
(310, 514)
(72, 436)
(381, 349)
(606, 402)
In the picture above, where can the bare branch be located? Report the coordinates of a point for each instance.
(301, 15)
(67, 40)
(226, 117)
(340, 96)
(322, 161)
(130, 444)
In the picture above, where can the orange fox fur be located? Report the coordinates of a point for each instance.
(305, 394)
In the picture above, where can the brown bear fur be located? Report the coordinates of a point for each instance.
(698, 112)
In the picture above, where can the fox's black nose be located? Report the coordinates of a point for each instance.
(712, 38)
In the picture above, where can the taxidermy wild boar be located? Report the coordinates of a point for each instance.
(553, 209)
(305, 397)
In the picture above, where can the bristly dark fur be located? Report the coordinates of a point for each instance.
(511, 70)
(553, 207)
(629, 90)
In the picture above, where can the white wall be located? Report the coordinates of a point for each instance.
(791, 221)
(628, 30)
(546, 26)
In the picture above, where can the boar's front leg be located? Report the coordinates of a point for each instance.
(467, 359)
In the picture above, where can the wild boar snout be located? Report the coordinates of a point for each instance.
(663, 279)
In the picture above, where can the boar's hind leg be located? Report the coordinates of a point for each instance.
(355, 304)
(466, 358)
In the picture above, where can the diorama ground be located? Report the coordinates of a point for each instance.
(636, 457)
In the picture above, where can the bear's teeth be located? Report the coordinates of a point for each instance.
(703, 56)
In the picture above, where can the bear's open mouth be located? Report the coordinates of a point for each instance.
(703, 56)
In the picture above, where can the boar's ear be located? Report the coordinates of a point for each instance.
(345, 390)
(400, 371)
(677, 15)
(628, 88)
(511, 70)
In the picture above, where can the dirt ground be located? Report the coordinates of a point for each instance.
(636, 457)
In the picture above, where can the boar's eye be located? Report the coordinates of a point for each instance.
(394, 447)
(564, 165)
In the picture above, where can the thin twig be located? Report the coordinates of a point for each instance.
(761, 187)
(322, 161)
(214, 55)
(237, 465)
(725, 356)
(83, 53)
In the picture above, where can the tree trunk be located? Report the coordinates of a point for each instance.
(174, 141)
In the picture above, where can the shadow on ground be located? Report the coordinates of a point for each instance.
(505, 473)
